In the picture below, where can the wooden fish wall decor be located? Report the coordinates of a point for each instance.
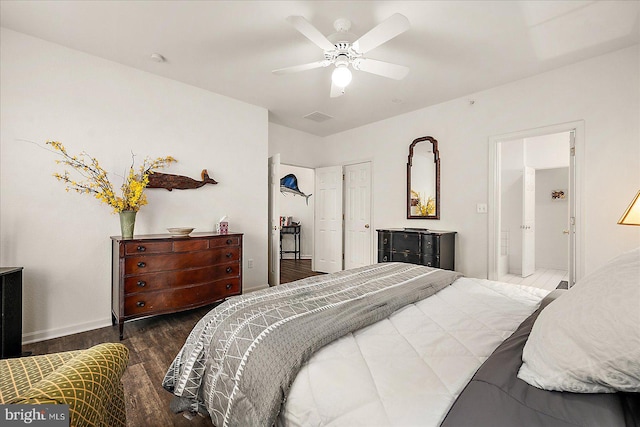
(179, 182)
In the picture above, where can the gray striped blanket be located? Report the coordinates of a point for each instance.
(241, 358)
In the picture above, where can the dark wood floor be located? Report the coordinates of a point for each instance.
(291, 269)
(153, 343)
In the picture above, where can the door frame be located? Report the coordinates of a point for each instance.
(576, 172)
(273, 255)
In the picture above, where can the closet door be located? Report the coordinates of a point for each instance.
(327, 254)
(357, 215)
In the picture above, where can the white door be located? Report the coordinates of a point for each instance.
(528, 221)
(274, 220)
(357, 215)
(327, 254)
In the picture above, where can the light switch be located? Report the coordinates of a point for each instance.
(481, 208)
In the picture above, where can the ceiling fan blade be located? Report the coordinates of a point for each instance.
(381, 68)
(302, 67)
(336, 90)
(310, 32)
(394, 25)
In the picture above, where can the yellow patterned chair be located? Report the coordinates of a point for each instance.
(89, 381)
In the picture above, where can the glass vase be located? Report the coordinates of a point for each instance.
(127, 223)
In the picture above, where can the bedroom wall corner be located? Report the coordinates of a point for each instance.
(110, 110)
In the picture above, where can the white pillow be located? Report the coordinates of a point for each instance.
(588, 340)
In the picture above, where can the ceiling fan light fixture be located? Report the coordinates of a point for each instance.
(341, 76)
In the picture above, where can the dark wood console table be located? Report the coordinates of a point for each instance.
(293, 230)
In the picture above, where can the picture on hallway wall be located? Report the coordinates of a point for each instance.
(559, 195)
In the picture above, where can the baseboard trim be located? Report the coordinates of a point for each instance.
(47, 334)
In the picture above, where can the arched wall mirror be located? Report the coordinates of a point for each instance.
(423, 179)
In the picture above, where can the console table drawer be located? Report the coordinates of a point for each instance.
(167, 279)
(163, 301)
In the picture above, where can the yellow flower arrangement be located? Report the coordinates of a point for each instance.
(97, 183)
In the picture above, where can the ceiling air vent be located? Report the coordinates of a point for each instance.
(317, 116)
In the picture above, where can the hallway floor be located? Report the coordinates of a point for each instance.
(543, 278)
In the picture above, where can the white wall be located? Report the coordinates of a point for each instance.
(603, 91)
(296, 147)
(548, 151)
(552, 246)
(62, 239)
(297, 208)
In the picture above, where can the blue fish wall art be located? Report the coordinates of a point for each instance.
(289, 184)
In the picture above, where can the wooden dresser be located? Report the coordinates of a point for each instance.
(417, 246)
(157, 274)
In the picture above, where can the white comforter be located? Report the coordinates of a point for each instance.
(408, 369)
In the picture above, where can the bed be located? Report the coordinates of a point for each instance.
(390, 344)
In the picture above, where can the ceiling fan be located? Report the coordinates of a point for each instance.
(345, 53)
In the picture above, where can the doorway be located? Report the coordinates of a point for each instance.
(535, 221)
(296, 219)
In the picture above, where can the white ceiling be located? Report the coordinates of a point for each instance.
(230, 47)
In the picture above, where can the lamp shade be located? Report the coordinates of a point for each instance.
(632, 215)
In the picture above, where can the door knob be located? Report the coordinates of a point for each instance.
(565, 231)
(366, 226)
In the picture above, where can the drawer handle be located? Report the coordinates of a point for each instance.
(141, 283)
(140, 303)
(229, 241)
(384, 258)
(229, 269)
(141, 249)
(385, 241)
(142, 264)
(229, 254)
(229, 285)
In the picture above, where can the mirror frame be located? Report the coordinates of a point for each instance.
(436, 155)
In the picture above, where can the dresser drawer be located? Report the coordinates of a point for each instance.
(166, 300)
(131, 248)
(405, 257)
(431, 261)
(384, 256)
(224, 241)
(406, 242)
(430, 244)
(179, 278)
(186, 245)
(384, 242)
(150, 263)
